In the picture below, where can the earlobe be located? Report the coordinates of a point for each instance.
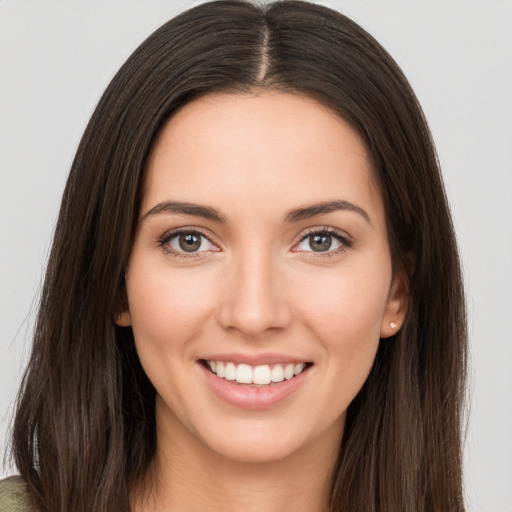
(396, 307)
(122, 315)
(123, 319)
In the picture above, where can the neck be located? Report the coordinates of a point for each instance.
(189, 476)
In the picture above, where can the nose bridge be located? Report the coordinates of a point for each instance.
(252, 299)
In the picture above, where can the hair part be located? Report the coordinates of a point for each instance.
(84, 432)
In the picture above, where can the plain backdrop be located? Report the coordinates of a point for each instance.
(56, 57)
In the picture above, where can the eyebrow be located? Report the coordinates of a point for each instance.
(206, 212)
(313, 210)
(295, 215)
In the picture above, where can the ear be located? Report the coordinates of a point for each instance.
(124, 319)
(396, 306)
(122, 315)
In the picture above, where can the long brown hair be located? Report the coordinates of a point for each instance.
(84, 431)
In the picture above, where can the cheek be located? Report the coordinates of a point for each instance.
(347, 301)
(168, 309)
(345, 313)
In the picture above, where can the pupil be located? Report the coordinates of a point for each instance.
(190, 242)
(320, 243)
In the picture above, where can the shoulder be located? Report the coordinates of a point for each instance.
(13, 495)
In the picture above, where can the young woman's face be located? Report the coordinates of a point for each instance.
(261, 252)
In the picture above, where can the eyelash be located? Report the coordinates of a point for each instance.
(163, 242)
(340, 236)
(345, 241)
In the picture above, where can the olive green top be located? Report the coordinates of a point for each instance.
(13, 495)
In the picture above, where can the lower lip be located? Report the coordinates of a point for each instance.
(252, 397)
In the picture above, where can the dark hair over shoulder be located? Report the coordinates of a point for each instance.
(84, 431)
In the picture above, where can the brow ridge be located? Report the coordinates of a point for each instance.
(306, 212)
(185, 208)
(295, 215)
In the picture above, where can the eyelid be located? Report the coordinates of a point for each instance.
(345, 240)
(164, 240)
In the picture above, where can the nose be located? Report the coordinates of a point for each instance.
(253, 296)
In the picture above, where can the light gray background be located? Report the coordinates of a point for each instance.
(56, 57)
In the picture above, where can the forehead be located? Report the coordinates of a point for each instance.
(262, 148)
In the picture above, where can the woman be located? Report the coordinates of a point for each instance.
(253, 299)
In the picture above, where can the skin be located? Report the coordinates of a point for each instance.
(257, 286)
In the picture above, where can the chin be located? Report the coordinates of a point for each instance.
(257, 448)
(268, 440)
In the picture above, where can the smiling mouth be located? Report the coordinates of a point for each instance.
(261, 375)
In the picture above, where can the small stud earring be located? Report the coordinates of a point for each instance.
(392, 325)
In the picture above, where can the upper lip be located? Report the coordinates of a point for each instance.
(255, 359)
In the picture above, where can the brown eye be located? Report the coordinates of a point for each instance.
(320, 242)
(323, 242)
(189, 242)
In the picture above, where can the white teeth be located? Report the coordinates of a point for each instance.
(230, 371)
(298, 368)
(221, 372)
(277, 373)
(262, 375)
(289, 371)
(244, 374)
(259, 375)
